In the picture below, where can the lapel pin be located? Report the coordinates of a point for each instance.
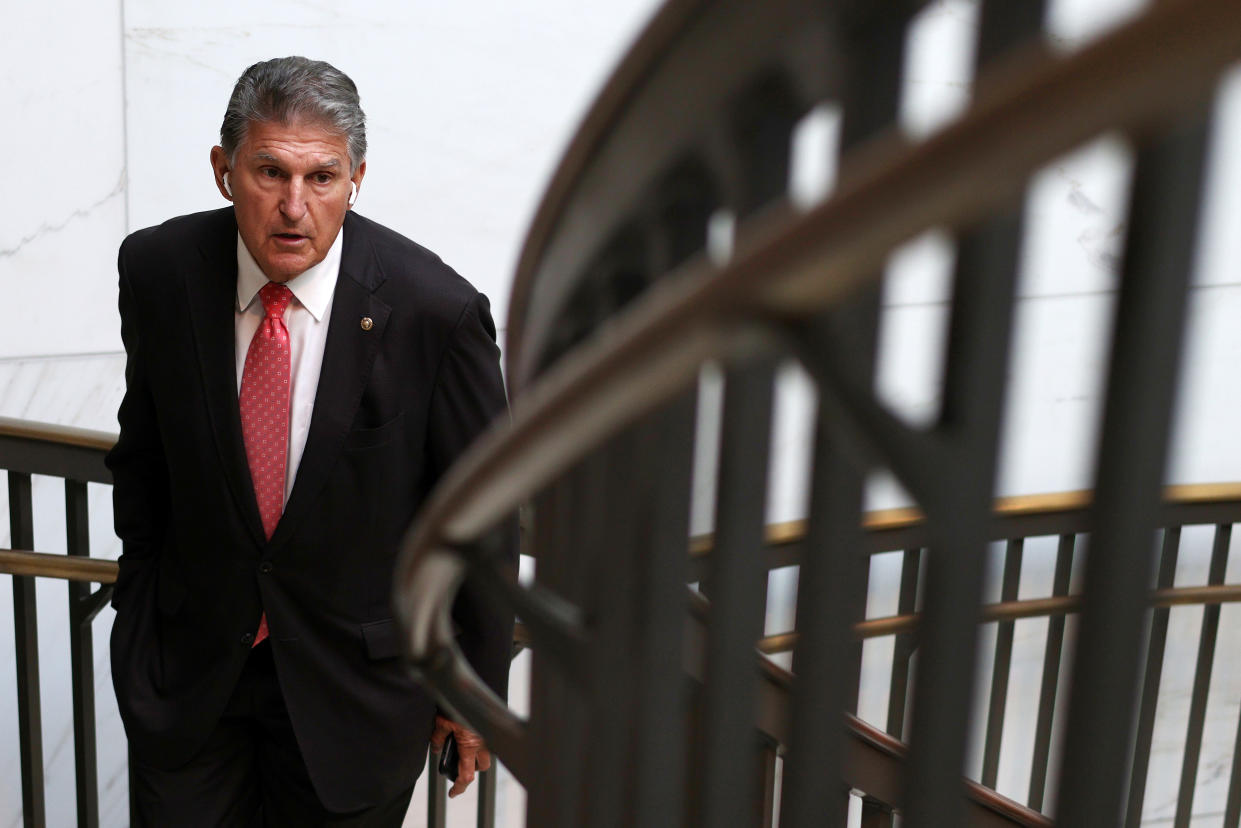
(367, 323)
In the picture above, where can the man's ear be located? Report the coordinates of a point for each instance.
(356, 178)
(219, 166)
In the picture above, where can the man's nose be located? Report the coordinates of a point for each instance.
(293, 204)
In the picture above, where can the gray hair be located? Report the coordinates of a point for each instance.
(286, 89)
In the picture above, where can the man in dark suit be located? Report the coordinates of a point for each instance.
(297, 379)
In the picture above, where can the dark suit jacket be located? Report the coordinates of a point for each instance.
(394, 407)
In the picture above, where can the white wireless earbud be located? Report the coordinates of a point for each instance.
(228, 188)
(353, 195)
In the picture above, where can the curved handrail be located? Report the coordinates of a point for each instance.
(607, 107)
(788, 267)
(1111, 84)
(795, 267)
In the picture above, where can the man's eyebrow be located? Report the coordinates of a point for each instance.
(266, 156)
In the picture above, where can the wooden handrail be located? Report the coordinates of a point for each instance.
(1013, 610)
(58, 451)
(1068, 506)
(890, 528)
(876, 759)
(1056, 513)
(65, 567)
(56, 434)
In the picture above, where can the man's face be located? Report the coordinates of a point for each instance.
(290, 192)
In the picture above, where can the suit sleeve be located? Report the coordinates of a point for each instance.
(140, 502)
(468, 397)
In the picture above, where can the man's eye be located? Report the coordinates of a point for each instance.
(323, 178)
(269, 172)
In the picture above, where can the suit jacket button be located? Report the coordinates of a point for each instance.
(266, 567)
(247, 638)
(367, 323)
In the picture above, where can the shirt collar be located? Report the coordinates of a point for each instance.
(312, 288)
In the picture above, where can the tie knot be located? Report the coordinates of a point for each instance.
(276, 298)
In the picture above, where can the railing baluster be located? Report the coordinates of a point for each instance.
(1004, 24)
(736, 619)
(762, 121)
(487, 796)
(437, 793)
(558, 713)
(1001, 667)
(975, 373)
(832, 595)
(1146, 349)
(82, 659)
(903, 645)
(1053, 651)
(767, 785)
(662, 697)
(1232, 810)
(1155, 649)
(833, 577)
(26, 633)
(1001, 26)
(614, 504)
(875, 814)
(1202, 681)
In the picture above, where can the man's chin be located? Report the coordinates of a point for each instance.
(283, 268)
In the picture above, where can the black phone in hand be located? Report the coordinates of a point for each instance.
(448, 758)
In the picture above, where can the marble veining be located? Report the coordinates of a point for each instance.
(48, 228)
(81, 391)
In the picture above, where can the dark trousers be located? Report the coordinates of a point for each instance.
(250, 773)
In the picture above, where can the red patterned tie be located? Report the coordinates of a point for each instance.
(264, 406)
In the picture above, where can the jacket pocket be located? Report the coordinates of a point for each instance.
(360, 438)
(382, 639)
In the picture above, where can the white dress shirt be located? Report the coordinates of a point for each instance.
(307, 318)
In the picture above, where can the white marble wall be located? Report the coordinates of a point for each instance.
(469, 106)
(64, 205)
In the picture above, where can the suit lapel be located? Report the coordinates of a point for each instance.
(347, 358)
(211, 284)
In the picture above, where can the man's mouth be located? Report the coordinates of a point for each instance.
(289, 238)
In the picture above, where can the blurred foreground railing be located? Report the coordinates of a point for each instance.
(667, 244)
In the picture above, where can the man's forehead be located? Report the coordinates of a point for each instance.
(276, 141)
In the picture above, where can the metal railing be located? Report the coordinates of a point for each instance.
(618, 304)
(76, 456)
(1016, 521)
(875, 757)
